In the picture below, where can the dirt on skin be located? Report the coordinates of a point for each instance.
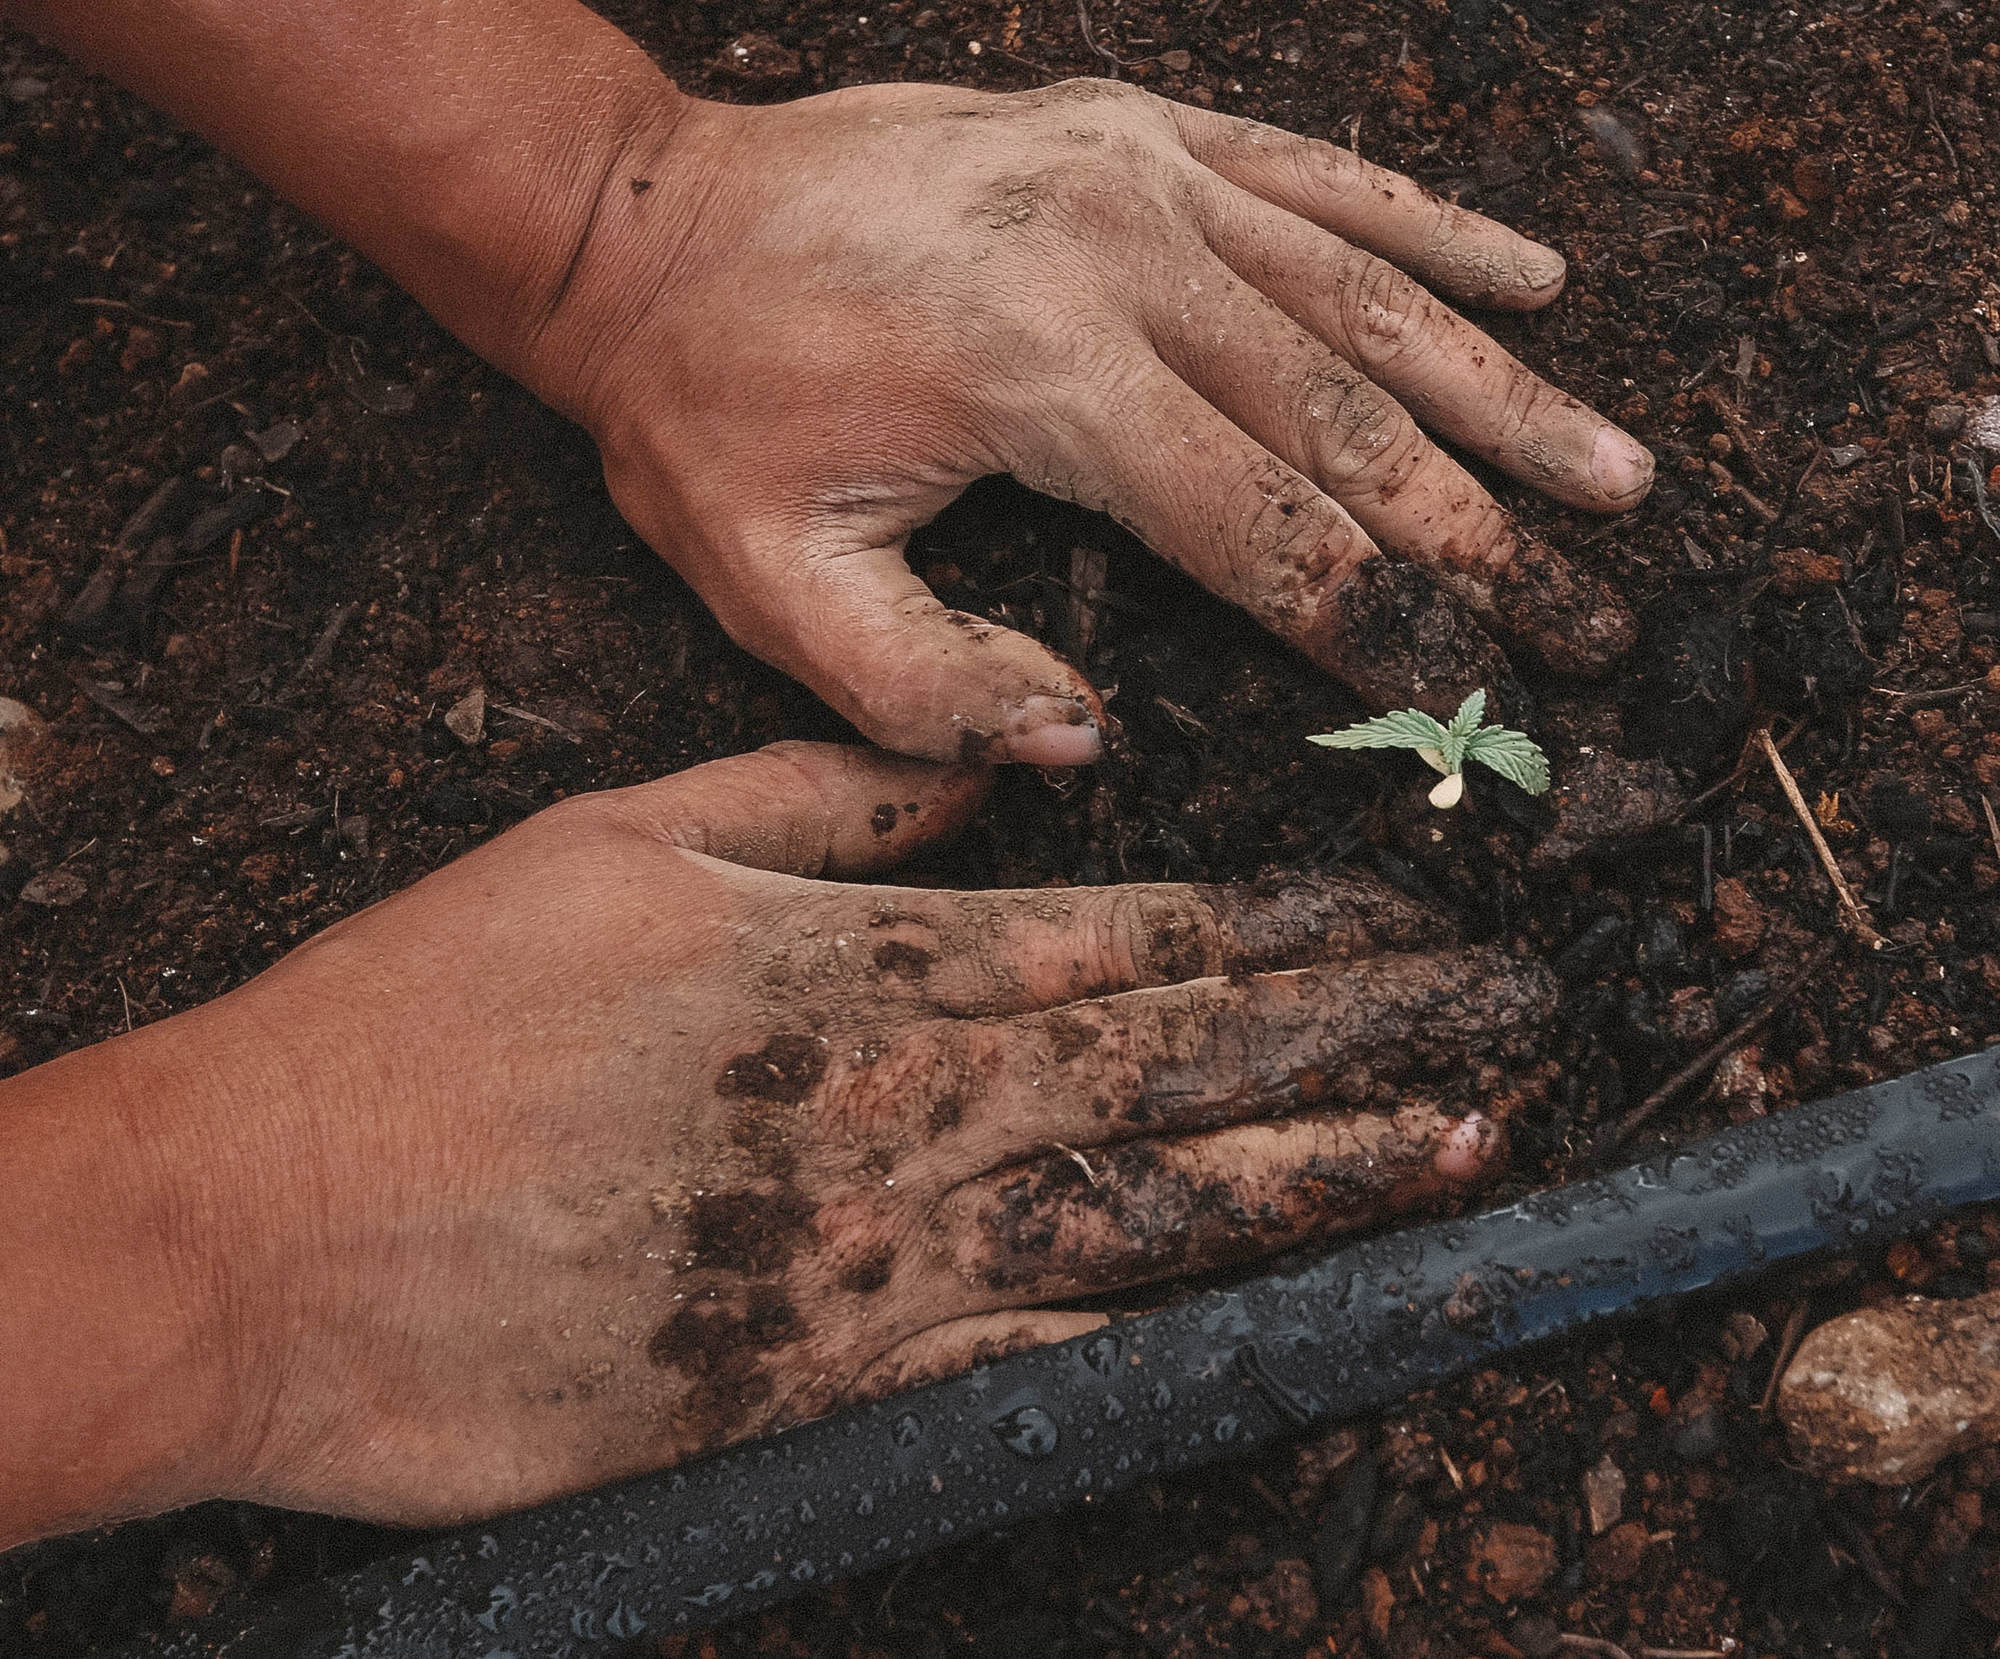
(1781, 233)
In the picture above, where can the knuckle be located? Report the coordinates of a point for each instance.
(1152, 936)
(1390, 318)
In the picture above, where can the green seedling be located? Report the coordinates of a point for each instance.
(1446, 748)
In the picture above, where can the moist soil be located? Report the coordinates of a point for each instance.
(1781, 230)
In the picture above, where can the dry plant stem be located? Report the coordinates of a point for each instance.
(1795, 1327)
(1597, 1646)
(1714, 1054)
(1738, 772)
(1852, 908)
(1992, 823)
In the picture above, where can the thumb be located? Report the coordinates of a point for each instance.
(805, 809)
(859, 628)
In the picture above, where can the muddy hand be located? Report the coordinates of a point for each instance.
(839, 312)
(624, 1137)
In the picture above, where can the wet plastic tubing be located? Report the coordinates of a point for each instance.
(1212, 1378)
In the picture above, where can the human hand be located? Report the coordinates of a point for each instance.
(621, 1138)
(797, 332)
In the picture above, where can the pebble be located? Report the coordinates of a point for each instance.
(1742, 1335)
(55, 889)
(1604, 1495)
(1843, 456)
(1510, 1561)
(1887, 1394)
(1944, 421)
(1984, 427)
(25, 89)
(466, 718)
(20, 727)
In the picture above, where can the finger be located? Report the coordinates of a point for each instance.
(1284, 387)
(1253, 529)
(805, 809)
(1452, 376)
(985, 954)
(1464, 255)
(1208, 1052)
(1076, 1222)
(858, 627)
(961, 1345)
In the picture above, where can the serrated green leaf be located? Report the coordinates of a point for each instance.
(1463, 725)
(1514, 755)
(1405, 729)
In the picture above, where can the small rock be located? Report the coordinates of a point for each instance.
(466, 718)
(1178, 59)
(57, 889)
(1741, 1084)
(759, 60)
(1742, 1335)
(1617, 1557)
(1739, 919)
(277, 440)
(1843, 456)
(1887, 1394)
(1615, 141)
(25, 89)
(20, 729)
(1944, 421)
(1604, 1495)
(1510, 1561)
(1984, 426)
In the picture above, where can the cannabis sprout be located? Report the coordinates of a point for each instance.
(1446, 748)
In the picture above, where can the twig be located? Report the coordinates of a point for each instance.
(1739, 771)
(1924, 699)
(1795, 1327)
(537, 719)
(1937, 126)
(1686, 1653)
(1078, 1159)
(126, 997)
(1723, 1047)
(1596, 1645)
(99, 304)
(1992, 824)
(1852, 908)
(1090, 38)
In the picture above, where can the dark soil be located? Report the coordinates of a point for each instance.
(1782, 232)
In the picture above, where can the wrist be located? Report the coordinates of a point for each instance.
(119, 1376)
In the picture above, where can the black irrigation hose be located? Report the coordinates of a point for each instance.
(1212, 1378)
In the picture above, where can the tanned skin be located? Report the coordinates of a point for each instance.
(628, 1134)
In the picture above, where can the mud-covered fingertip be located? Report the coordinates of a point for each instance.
(1053, 731)
(1543, 272)
(1572, 621)
(1621, 467)
(1467, 1150)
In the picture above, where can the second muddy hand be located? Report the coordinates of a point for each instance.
(797, 332)
(627, 1136)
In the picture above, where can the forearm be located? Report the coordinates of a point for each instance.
(114, 1394)
(461, 144)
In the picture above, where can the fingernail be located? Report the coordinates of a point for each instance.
(1053, 731)
(1621, 466)
(1542, 269)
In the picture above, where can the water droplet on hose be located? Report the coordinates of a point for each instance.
(1027, 1431)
